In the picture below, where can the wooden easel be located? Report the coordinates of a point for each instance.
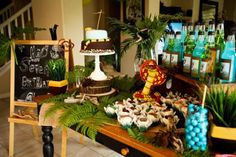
(13, 103)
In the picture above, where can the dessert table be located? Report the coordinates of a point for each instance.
(113, 137)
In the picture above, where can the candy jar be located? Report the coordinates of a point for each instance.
(196, 127)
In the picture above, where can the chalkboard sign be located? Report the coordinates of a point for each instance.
(31, 74)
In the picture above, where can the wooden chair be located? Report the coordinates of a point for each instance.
(33, 105)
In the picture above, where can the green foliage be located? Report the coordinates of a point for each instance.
(192, 153)
(85, 116)
(78, 74)
(6, 42)
(57, 98)
(19, 31)
(5, 45)
(222, 104)
(144, 33)
(57, 69)
(124, 84)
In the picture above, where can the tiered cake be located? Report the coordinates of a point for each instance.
(90, 86)
(96, 43)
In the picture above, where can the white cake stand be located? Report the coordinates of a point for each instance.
(98, 74)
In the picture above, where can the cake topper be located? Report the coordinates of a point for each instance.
(99, 17)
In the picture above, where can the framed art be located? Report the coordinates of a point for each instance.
(133, 10)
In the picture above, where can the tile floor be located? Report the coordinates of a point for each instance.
(26, 145)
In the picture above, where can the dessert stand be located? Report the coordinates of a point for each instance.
(98, 74)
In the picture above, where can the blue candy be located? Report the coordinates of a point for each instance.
(196, 130)
(188, 137)
(204, 131)
(196, 139)
(203, 111)
(192, 143)
(194, 122)
(203, 148)
(200, 135)
(190, 110)
(199, 143)
(197, 115)
(191, 106)
(190, 127)
(193, 134)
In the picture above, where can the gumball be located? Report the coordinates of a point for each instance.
(196, 139)
(190, 110)
(188, 122)
(202, 118)
(192, 143)
(188, 137)
(203, 111)
(200, 135)
(193, 134)
(191, 106)
(204, 130)
(197, 115)
(196, 130)
(203, 148)
(204, 141)
(194, 122)
(190, 127)
(199, 143)
(205, 124)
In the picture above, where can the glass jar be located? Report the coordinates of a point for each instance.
(196, 128)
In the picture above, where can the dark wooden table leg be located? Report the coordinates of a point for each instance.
(48, 149)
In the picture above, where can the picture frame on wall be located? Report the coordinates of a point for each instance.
(133, 10)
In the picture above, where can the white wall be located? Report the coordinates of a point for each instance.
(73, 26)
(69, 17)
(46, 13)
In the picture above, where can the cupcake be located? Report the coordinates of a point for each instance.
(143, 123)
(125, 121)
(153, 116)
(110, 110)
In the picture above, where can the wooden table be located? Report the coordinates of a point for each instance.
(118, 139)
(113, 137)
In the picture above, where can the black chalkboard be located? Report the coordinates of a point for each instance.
(31, 72)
